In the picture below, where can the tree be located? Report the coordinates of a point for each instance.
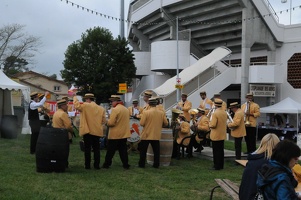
(14, 65)
(97, 63)
(16, 46)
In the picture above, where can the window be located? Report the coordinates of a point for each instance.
(56, 88)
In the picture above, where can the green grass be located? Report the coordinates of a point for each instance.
(183, 179)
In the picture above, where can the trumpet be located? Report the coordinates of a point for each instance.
(247, 111)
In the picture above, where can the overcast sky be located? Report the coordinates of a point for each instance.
(58, 24)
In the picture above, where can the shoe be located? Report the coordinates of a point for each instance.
(156, 167)
(96, 167)
(87, 167)
(189, 156)
(105, 166)
(126, 167)
(213, 168)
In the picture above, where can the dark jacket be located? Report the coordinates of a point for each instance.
(276, 181)
(248, 188)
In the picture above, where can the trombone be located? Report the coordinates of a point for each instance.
(247, 116)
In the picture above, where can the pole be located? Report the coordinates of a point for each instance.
(291, 5)
(177, 30)
(122, 18)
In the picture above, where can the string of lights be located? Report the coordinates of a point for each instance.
(184, 20)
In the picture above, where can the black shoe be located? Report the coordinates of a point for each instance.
(189, 156)
(155, 166)
(214, 168)
(96, 167)
(105, 166)
(126, 167)
(87, 167)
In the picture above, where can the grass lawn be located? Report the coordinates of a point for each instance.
(183, 179)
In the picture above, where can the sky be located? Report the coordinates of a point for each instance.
(58, 24)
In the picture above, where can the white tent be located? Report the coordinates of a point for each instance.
(288, 106)
(7, 85)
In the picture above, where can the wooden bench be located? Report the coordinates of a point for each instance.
(228, 186)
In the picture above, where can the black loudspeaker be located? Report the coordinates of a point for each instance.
(52, 150)
(9, 126)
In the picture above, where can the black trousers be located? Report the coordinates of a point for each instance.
(250, 139)
(35, 130)
(92, 141)
(237, 145)
(143, 145)
(218, 154)
(120, 145)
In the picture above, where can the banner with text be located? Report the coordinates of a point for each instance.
(263, 90)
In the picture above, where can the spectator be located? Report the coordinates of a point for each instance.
(248, 188)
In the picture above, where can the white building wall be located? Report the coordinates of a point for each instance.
(164, 55)
(143, 63)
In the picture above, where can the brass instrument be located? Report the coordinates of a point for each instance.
(175, 121)
(247, 116)
(211, 111)
(229, 117)
(193, 113)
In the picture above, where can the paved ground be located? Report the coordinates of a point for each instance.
(207, 153)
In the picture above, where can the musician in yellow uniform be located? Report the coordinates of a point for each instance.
(160, 104)
(70, 108)
(152, 121)
(183, 130)
(135, 110)
(218, 96)
(61, 119)
(92, 118)
(185, 106)
(237, 127)
(119, 131)
(205, 103)
(147, 95)
(218, 126)
(201, 128)
(252, 112)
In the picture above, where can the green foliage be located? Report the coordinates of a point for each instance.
(183, 179)
(97, 63)
(14, 65)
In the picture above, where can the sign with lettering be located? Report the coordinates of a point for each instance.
(263, 90)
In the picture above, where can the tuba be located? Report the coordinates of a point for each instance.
(175, 120)
(247, 111)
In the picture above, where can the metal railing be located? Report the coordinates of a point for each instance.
(273, 12)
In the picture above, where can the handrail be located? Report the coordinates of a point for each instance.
(272, 10)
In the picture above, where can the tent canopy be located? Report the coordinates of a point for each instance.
(7, 83)
(287, 105)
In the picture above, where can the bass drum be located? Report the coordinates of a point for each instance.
(135, 129)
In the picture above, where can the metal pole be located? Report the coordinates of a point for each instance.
(291, 4)
(122, 18)
(177, 29)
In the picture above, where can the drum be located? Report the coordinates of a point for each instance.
(166, 144)
(136, 130)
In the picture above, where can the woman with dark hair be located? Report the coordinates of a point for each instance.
(275, 180)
